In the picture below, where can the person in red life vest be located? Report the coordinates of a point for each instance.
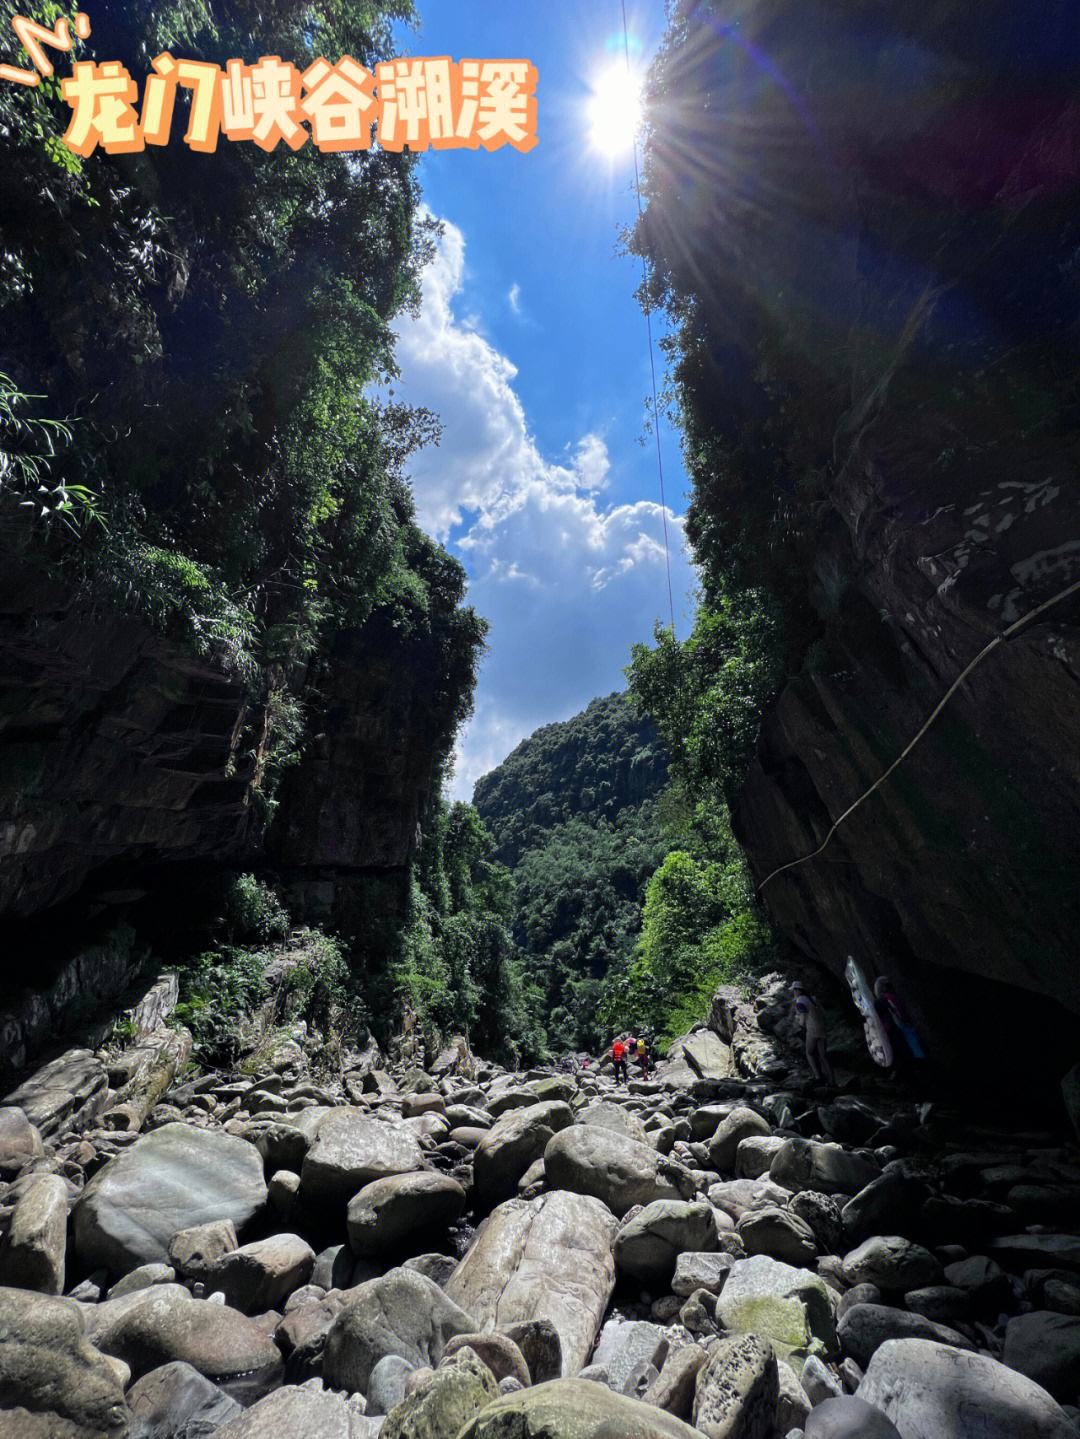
(618, 1059)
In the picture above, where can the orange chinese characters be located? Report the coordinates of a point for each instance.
(262, 103)
(102, 98)
(33, 37)
(498, 104)
(338, 102)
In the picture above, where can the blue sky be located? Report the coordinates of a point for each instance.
(532, 348)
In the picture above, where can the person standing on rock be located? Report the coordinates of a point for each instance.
(811, 1017)
(618, 1060)
(643, 1057)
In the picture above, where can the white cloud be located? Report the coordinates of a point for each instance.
(567, 583)
(514, 298)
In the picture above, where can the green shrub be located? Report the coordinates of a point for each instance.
(253, 912)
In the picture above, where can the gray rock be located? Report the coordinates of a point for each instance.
(866, 1327)
(142, 1278)
(824, 1168)
(755, 1155)
(790, 1307)
(390, 1211)
(1046, 1347)
(177, 1402)
(333, 1267)
(20, 1141)
(48, 1368)
(892, 1264)
(845, 1417)
(673, 1389)
(891, 1204)
(793, 1404)
(738, 1390)
(700, 1271)
(300, 1413)
(860, 1294)
(33, 1251)
(1049, 1251)
(983, 1280)
(443, 1402)
(514, 1143)
(648, 1244)
(619, 1172)
(516, 1269)
(193, 1251)
(624, 1344)
(819, 1382)
(63, 1092)
(386, 1386)
(167, 1181)
(436, 1267)
(740, 1124)
(497, 1351)
(737, 1197)
(614, 1117)
(540, 1345)
(351, 1149)
(260, 1276)
(934, 1392)
(402, 1313)
(778, 1233)
(823, 1214)
(574, 1409)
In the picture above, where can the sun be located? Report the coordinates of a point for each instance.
(614, 111)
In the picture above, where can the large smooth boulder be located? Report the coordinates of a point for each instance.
(704, 1053)
(740, 1124)
(618, 1171)
(892, 1264)
(162, 1324)
(931, 1391)
(388, 1212)
(605, 1115)
(624, 1345)
(49, 1370)
(20, 1141)
(351, 1149)
(32, 1254)
(512, 1145)
(824, 1168)
(173, 1178)
(261, 1276)
(574, 1409)
(866, 1327)
(548, 1258)
(779, 1234)
(649, 1243)
(846, 1417)
(790, 1307)
(177, 1402)
(737, 1390)
(1046, 1347)
(402, 1313)
(890, 1204)
(299, 1414)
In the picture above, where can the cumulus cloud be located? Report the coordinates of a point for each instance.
(568, 584)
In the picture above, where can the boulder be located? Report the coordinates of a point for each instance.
(261, 1276)
(444, 1401)
(704, 1053)
(193, 1251)
(63, 1093)
(615, 1117)
(790, 1307)
(390, 1211)
(514, 1142)
(778, 1233)
(48, 1369)
(825, 1168)
(20, 1141)
(846, 1417)
(351, 1149)
(164, 1323)
(517, 1270)
(740, 1124)
(33, 1250)
(573, 1409)
(540, 1345)
(142, 1278)
(1039, 1251)
(618, 1171)
(674, 1387)
(300, 1413)
(755, 1154)
(168, 1180)
(386, 1387)
(892, 1263)
(694, 1271)
(890, 1204)
(402, 1313)
(1046, 1347)
(498, 1351)
(626, 1344)
(737, 1390)
(822, 1213)
(649, 1243)
(177, 1402)
(932, 1391)
(983, 1280)
(866, 1327)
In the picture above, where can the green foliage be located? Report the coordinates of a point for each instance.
(253, 912)
(29, 447)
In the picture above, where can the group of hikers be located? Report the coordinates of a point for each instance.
(890, 1033)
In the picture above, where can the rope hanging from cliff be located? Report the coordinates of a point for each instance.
(1000, 639)
(649, 328)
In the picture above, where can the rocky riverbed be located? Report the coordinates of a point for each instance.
(430, 1247)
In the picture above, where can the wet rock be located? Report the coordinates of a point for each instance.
(402, 1313)
(515, 1142)
(350, 1150)
(574, 1409)
(390, 1211)
(166, 1181)
(32, 1253)
(48, 1368)
(1046, 1347)
(620, 1172)
(648, 1244)
(846, 1417)
(891, 1263)
(737, 1390)
(933, 1392)
(866, 1327)
(516, 1269)
(177, 1402)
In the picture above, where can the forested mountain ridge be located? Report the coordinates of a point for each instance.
(574, 811)
(595, 765)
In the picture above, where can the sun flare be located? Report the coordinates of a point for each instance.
(614, 111)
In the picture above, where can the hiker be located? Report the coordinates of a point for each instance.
(903, 1035)
(618, 1060)
(811, 1017)
(642, 1054)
